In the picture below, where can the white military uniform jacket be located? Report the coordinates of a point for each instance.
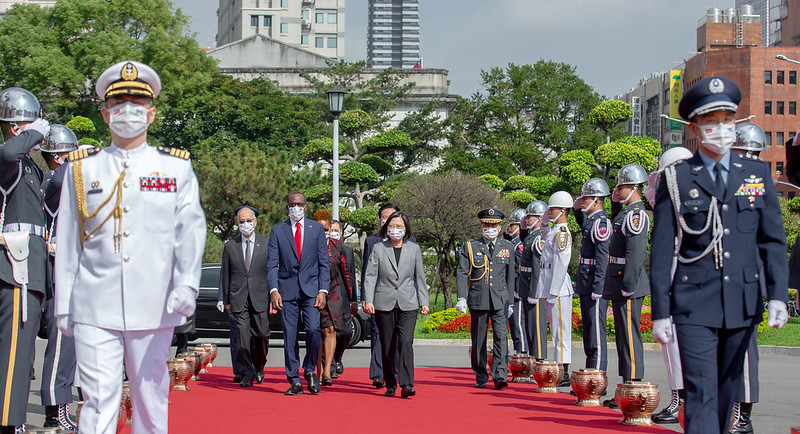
(554, 280)
(124, 284)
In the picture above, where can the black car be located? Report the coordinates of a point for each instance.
(211, 323)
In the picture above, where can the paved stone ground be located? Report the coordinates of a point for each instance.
(776, 412)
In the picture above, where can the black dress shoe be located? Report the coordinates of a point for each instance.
(500, 384)
(334, 374)
(610, 403)
(313, 383)
(296, 389)
(389, 391)
(480, 385)
(237, 378)
(327, 382)
(407, 391)
(260, 377)
(339, 368)
(564, 381)
(246, 383)
(666, 416)
(377, 383)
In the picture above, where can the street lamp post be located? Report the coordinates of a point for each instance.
(335, 105)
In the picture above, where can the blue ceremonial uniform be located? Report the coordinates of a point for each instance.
(535, 314)
(516, 322)
(595, 229)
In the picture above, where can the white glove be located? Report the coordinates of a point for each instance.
(64, 323)
(532, 300)
(545, 221)
(578, 204)
(777, 315)
(510, 311)
(461, 305)
(220, 306)
(40, 125)
(626, 293)
(596, 297)
(181, 301)
(615, 195)
(662, 331)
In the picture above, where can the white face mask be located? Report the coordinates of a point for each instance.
(718, 138)
(296, 213)
(490, 233)
(395, 233)
(128, 120)
(247, 228)
(334, 235)
(591, 203)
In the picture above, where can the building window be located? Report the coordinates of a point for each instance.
(303, 39)
(779, 77)
(792, 77)
(767, 107)
(267, 20)
(284, 28)
(285, 4)
(332, 42)
(306, 14)
(319, 42)
(769, 137)
(319, 17)
(779, 108)
(792, 107)
(779, 167)
(767, 77)
(332, 17)
(253, 20)
(779, 138)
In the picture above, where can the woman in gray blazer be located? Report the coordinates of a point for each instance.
(394, 288)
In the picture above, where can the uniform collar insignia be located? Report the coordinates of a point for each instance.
(737, 165)
(697, 169)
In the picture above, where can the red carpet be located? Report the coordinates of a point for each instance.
(446, 402)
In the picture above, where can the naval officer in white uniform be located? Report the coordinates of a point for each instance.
(131, 235)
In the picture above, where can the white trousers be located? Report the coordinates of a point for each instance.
(560, 312)
(100, 353)
(672, 360)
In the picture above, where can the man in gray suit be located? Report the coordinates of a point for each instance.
(246, 295)
(486, 269)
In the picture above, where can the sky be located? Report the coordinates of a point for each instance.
(612, 43)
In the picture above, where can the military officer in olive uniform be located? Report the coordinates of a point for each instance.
(485, 284)
(596, 230)
(626, 282)
(23, 250)
(719, 212)
(529, 269)
(131, 235)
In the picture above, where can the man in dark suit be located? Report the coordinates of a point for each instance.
(485, 284)
(245, 295)
(714, 295)
(298, 273)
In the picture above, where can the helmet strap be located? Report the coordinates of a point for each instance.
(633, 190)
(586, 208)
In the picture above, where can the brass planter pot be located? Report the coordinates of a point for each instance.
(637, 400)
(184, 369)
(126, 401)
(206, 353)
(588, 385)
(547, 375)
(213, 350)
(521, 367)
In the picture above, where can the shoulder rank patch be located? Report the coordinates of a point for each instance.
(175, 152)
(561, 240)
(82, 153)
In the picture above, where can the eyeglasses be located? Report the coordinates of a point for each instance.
(294, 204)
(247, 221)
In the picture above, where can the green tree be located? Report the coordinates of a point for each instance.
(642, 150)
(81, 126)
(609, 114)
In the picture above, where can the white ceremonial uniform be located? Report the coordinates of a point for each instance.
(115, 286)
(556, 286)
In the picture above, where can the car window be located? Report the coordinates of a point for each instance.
(210, 278)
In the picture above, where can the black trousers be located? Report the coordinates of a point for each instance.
(16, 351)
(58, 370)
(712, 361)
(748, 391)
(593, 316)
(479, 328)
(252, 328)
(536, 325)
(630, 348)
(396, 327)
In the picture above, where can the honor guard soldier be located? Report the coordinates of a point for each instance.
(516, 322)
(485, 284)
(131, 235)
(626, 282)
(717, 212)
(529, 269)
(596, 230)
(672, 356)
(23, 261)
(58, 372)
(555, 286)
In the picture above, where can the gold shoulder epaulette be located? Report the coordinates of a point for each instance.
(82, 153)
(175, 152)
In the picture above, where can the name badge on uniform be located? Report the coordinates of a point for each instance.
(158, 183)
(503, 253)
(751, 186)
(95, 188)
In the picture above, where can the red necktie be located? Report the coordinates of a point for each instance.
(298, 239)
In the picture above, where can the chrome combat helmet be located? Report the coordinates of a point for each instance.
(516, 216)
(19, 105)
(631, 174)
(60, 139)
(750, 137)
(536, 208)
(595, 187)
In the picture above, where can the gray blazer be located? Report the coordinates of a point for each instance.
(388, 284)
